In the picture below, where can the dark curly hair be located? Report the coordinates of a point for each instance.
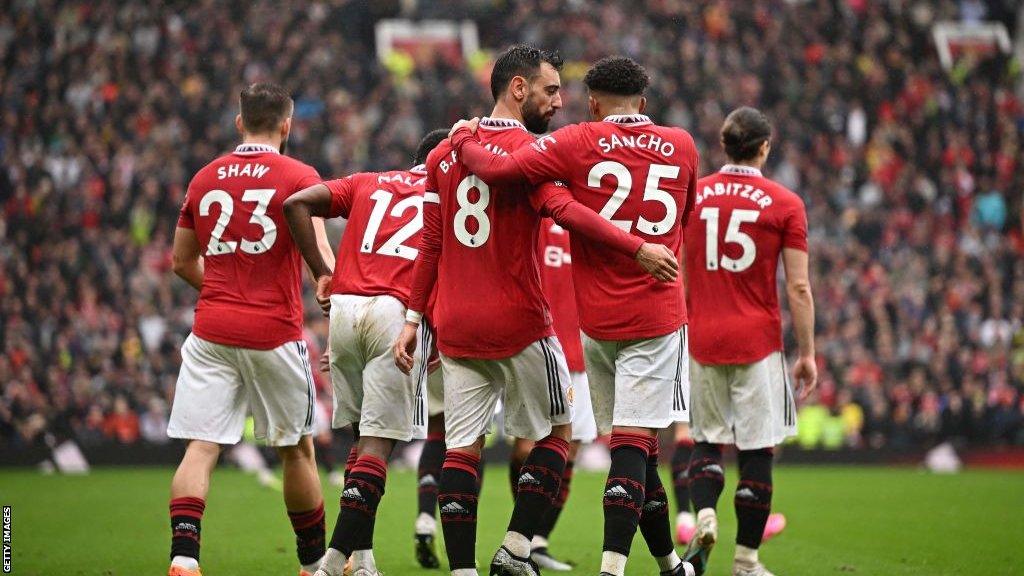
(744, 131)
(617, 75)
(429, 142)
(520, 60)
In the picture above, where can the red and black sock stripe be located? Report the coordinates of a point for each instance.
(186, 526)
(707, 475)
(680, 474)
(538, 485)
(359, 500)
(753, 499)
(654, 523)
(310, 534)
(429, 473)
(457, 501)
(551, 518)
(624, 493)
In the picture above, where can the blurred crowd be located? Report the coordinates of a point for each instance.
(911, 174)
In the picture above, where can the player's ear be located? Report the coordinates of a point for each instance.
(766, 148)
(238, 124)
(594, 106)
(643, 104)
(286, 127)
(519, 88)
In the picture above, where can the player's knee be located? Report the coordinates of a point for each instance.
(563, 431)
(377, 447)
(302, 451)
(520, 450)
(202, 452)
(435, 425)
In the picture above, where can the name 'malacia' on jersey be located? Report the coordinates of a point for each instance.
(252, 282)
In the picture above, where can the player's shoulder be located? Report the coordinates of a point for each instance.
(435, 156)
(781, 193)
(678, 134)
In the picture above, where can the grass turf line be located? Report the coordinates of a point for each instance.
(867, 521)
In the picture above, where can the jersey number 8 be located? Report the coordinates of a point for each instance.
(475, 210)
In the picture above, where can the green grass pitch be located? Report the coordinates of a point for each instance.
(859, 521)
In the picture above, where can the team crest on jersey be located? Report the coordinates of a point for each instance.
(570, 395)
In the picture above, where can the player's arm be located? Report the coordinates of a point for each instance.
(554, 200)
(424, 272)
(300, 210)
(187, 258)
(801, 302)
(533, 164)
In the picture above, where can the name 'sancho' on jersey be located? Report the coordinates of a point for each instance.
(609, 143)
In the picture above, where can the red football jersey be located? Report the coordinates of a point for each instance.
(641, 177)
(733, 244)
(252, 273)
(381, 239)
(556, 281)
(489, 300)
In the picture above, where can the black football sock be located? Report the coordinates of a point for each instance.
(753, 499)
(359, 500)
(654, 524)
(538, 485)
(457, 499)
(624, 493)
(186, 524)
(707, 476)
(480, 467)
(310, 534)
(429, 473)
(551, 518)
(680, 474)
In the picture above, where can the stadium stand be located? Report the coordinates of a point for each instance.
(912, 177)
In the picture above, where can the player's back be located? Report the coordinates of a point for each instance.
(556, 281)
(378, 248)
(640, 176)
(733, 243)
(252, 285)
(489, 299)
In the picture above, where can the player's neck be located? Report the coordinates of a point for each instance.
(265, 139)
(755, 164)
(623, 110)
(502, 110)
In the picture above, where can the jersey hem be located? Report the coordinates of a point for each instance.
(662, 330)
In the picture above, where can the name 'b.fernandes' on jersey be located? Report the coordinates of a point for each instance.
(743, 221)
(638, 175)
(379, 246)
(251, 295)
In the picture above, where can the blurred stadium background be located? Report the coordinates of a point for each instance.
(900, 123)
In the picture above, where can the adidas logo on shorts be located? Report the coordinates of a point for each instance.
(453, 508)
(528, 478)
(428, 480)
(618, 492)
(353, 493)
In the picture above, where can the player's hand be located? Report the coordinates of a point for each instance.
(325, 362)
(323, 294)
(658, 261)
(805, 373)
(405, 347)
(471, 124)
(434, 361)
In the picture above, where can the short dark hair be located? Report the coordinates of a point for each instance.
(520, 60)
(429, 142)
(744, 131)
(263, 106)
(617, 75)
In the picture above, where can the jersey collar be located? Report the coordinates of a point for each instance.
(501, 124)
(419, 169)
(628, 119)
(247, 149)
(737, 170)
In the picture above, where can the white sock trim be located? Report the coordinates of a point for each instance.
(538, 542)
(517, 544)
(613, 563)
(744, 555)
(669, 561)
(465, 572)
(186, 562)
(333, 563)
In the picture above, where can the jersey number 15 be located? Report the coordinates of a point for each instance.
(733, 235)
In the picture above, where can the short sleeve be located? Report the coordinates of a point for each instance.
(307, 177)
(794, 233)
(185, 217)
(548, 157)
(342, 195)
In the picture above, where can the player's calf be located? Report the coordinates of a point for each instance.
(654, 523)
(624, 497)
(537, 487)
(457, 501)
(753, 503)
(429, 476)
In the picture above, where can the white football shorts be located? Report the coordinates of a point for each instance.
(749, 405)
(430, 384)
(369, 390)
(534, 386)
(219, 384)
(639, 383)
